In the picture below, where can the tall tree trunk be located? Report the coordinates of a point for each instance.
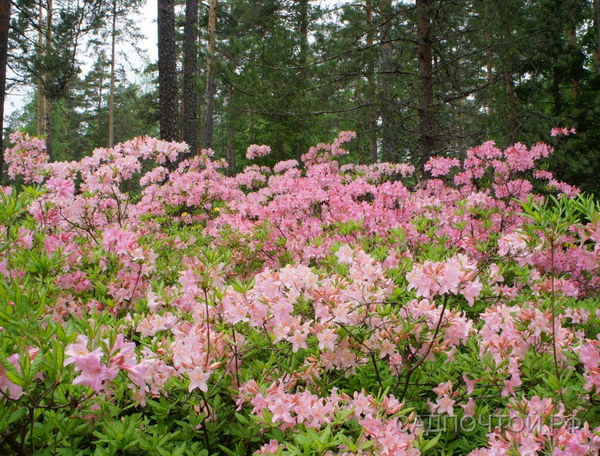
(4, 27)
(574, 77)
(388, 134)
(230, 134)
(167, 70)
(40, 81)
(427, 125)
(111, 98)
(100, 99)
(597, 27)
(47, 100)
(371, 83)
(489, 72)
(555, 90)
(207, 135)
(512, 105)
(303, 38)
(190, 64)
(301, 144)
(182, 118)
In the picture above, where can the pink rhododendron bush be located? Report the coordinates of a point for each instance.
(150, 304)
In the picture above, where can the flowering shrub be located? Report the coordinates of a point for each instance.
(152, 305)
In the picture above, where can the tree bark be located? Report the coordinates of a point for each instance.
(47, 100)
(597, 27)
(427, 125)
(190, 64)
(555, 90)
(100, 97)
(574, 77)
(4, 27)
(303, 38)
(489, 71)
(303, 25)
(230, 134)
(40, 81)
(512, 105)
(371, 83)
(167, 70)
(111, 97)
(210, 78)
(388, 134)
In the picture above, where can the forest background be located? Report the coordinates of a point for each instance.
(414, 79)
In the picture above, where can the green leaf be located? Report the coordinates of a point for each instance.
(431, 443)
(11, 372)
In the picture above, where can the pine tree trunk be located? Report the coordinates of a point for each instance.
(230, 134)
(167, 70)
(111, 98)
(4, 27)
(207, 135)
(190, 64)
(40, 81)
(489, 77)
(489, 71)
(555, 90)
(388, 134)
(301, 144)
(574, 77)
(512, 106)
(303, 38)
(597, 27)
(427, 125)
(47, 100)
(99, 104)
(371, 83)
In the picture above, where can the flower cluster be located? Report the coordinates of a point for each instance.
(94, 372)
(558, 131)
(255, 151)
(456, 275)
(27, 158)
(379, 420)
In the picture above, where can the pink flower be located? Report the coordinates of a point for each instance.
(509, 385)
(470, 384)
(345, 254)
(298, 340)
(443, 388)
(79, 350)
(136, 373)
(188, 281)
(386, 348)
(93, 372)
(327, 339)
(64, 188)
(268, 449)
(198, 379)
(281, 411)
(445, 405)
(154, 302)
(361, 404)
(469, 407)
(529, 447)
(471, 291)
